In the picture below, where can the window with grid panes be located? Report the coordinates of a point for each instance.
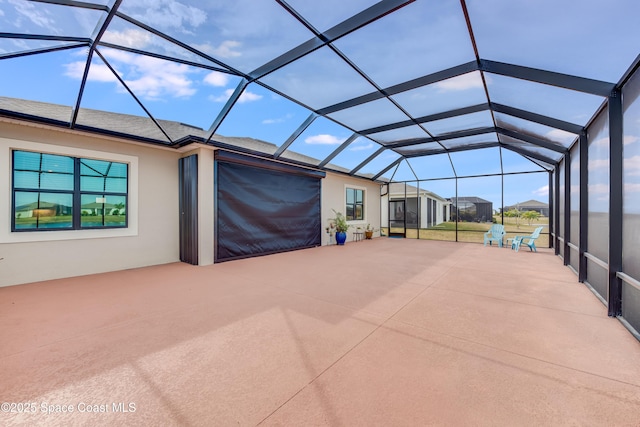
(56, 192)
(355, 204)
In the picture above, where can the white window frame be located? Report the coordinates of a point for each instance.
(365, 190)
(6, 176)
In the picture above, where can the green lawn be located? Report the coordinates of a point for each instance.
(474, 231)
(43, 220)
(65, 219)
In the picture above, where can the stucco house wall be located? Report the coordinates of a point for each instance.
(333, 196)
(151, 237)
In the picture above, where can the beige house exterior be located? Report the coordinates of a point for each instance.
(152, 234)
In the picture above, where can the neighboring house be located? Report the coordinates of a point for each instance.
(420, 204)
(96, 208)
(530, 205)
(472, 209)
(41, 209)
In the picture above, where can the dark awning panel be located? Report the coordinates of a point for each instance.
(229, 157)
(263, 208)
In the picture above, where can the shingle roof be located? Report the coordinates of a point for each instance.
(471, 199)
(143, 127)
(530, 203)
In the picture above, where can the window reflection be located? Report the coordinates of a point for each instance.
(46, 185)
(355, 204)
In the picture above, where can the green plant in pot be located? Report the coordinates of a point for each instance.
(368, 232)
(340, 222)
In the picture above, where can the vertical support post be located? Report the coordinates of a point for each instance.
(551, 213)
(615, 202)
(556, 213)
(76, 218)
(388, 213)
(419, 203)
(404, 220)
(457, 210)
(566, 250)
(188, 205)
(584, 205)
(383, 188)
(381, 203)
(502, 196)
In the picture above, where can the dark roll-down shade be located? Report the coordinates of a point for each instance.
(264, 207)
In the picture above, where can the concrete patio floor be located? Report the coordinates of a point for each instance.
(385, 332)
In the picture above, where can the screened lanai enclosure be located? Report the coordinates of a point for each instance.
(455, 108)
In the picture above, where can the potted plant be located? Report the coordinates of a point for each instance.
(368, 232)
(341, 225)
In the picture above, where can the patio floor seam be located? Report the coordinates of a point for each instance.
(346, 353)
(436, 332)
(521, 303)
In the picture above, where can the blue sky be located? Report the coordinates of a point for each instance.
(421, 38)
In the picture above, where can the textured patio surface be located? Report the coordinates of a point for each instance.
(388, 332)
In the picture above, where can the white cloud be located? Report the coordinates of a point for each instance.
(463, 82)
(216, 78)
(323, 139)
(245, 97)
(604, 141)
(599, 191)
(601, 142)
(37, 16)
(140, 39)
(222, 98)
(632, 188)
(630, 139)
(159, 78)
(598, 188)
(97, 72)
(20, 44)
(598, 164)
(542, 191)
(361, 147)
(118, 55)
(631, 166)
(226, 49)
(249, 97)
(278, 120)
(148, 77)
(168, 14)
(561, 136)
(128, 38)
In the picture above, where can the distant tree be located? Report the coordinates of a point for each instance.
(531, 216)
(514, 213)
(118, 209)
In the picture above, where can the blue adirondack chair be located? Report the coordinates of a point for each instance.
(530, 240)
(495, 234)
